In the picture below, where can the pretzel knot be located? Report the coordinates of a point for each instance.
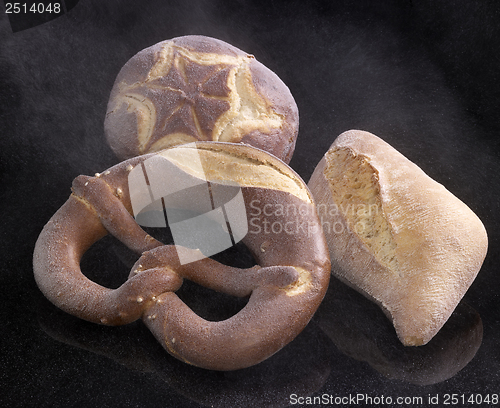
(279, 225)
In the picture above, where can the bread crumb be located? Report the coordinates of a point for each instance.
(354, 184)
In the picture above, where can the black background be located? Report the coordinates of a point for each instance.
(423, 75)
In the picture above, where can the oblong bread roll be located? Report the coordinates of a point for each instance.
(396, 235)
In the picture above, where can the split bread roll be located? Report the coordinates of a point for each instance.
(197, 88)
(396, 235)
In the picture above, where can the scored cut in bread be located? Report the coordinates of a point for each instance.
(396, 235)
(198, 88)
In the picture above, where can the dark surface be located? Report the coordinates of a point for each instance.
(423, 75)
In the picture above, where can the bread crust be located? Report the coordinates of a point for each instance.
(199, 88)
(438, 243)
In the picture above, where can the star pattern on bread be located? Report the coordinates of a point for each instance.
(192, 96)
(188, 96)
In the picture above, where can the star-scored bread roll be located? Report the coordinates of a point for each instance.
(396, 235)
(197, 88)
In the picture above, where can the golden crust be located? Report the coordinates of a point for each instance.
(437, 243)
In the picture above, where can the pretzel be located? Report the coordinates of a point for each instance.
(199, 88)
(283, 233)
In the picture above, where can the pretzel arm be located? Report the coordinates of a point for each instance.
(113, 214)
(214, 275)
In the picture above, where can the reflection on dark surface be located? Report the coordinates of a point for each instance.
(302, 367)
(356, 326)
(360, 330)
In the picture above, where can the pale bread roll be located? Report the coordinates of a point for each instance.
(396, 235)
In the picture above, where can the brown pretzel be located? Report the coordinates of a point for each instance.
(284, 235)
(199, 88)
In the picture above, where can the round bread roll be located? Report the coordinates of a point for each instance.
(396, 235)
(196, 88)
